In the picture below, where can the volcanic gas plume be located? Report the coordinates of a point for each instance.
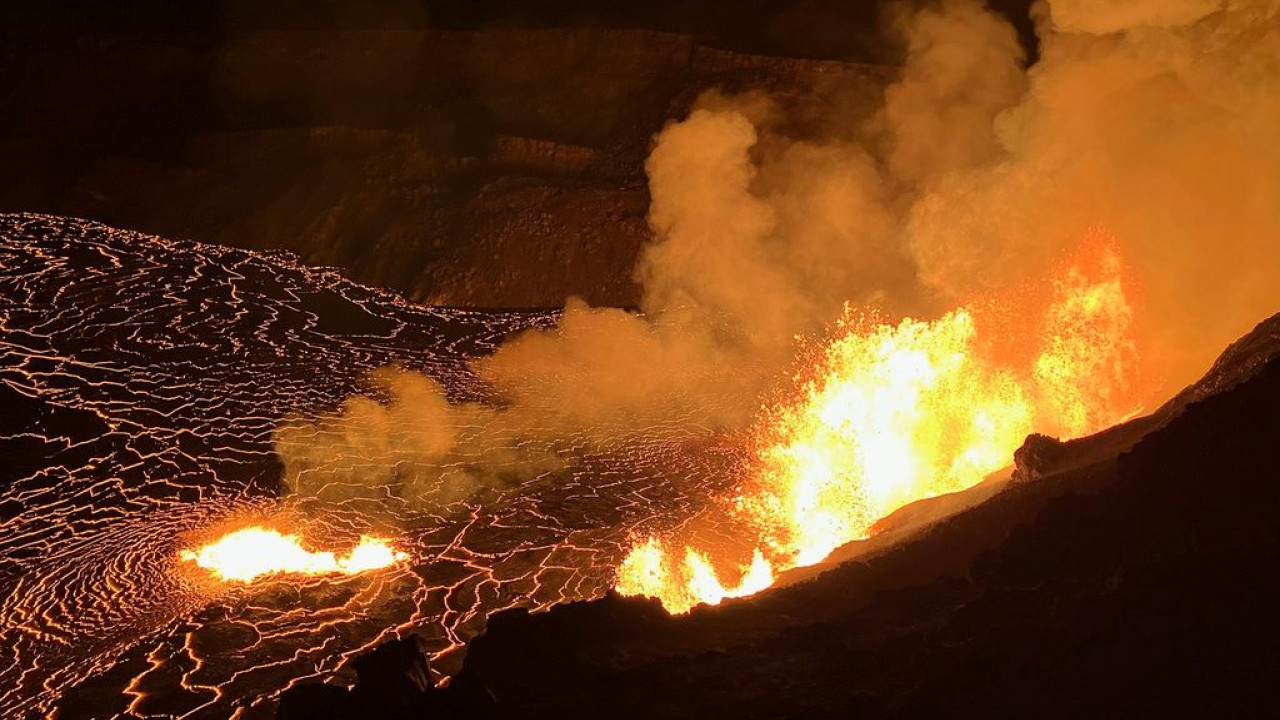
(840, 315)
(889, 414)
(994, 250)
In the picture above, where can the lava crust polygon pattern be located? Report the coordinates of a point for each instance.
(142, 380)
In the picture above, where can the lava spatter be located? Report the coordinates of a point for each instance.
(891, 413)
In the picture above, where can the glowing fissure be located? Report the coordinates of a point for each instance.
(899, 413)
(249, 553)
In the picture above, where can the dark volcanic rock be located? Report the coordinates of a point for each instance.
(495, 168)
(1131, 583)
(315, 701)
(394, 683)
(396, 674)
(1039, 455)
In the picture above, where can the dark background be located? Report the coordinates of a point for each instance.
(470, 152)
(832, 29)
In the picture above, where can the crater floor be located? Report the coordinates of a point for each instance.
(142, 380)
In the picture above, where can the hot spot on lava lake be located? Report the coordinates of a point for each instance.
(249, 553)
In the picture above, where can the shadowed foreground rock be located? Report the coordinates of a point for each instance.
(1132, 578)
(394, 681)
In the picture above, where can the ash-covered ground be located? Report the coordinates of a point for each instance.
(142, 381)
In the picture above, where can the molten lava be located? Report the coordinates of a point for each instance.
(899, 413)
(253, 552)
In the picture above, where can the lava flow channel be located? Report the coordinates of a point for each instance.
(895, 413)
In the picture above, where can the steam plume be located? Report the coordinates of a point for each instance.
(1153, 119)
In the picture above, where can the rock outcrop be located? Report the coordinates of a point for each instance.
(394, 683)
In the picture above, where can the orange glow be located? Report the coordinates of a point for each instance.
(1087, 370)
(252, 552)
(689, 583)
(898, 413)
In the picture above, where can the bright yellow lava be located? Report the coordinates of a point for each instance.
(247, 554)
(893, 414)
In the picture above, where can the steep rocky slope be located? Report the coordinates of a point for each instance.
(494, 168)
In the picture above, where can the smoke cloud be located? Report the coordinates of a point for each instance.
(1153, 119)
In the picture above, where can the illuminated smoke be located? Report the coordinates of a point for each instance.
(1154, 119)
(891, 414)
(973, 179)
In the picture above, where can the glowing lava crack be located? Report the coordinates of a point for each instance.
(250, 553)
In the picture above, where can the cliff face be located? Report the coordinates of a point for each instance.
(1131, 582)
(496, 168)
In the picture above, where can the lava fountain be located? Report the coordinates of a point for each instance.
(249, 553)
(894, 413)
